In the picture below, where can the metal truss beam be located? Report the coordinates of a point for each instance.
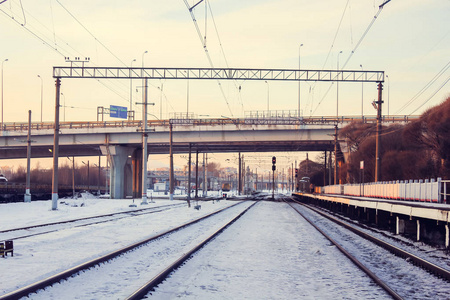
(218, 74)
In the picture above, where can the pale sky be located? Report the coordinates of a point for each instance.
(409, 40)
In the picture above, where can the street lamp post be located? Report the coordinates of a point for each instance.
(362, 96)
(2, 90)
(298, 112)
(337, 88)
(42, 91)
(160, 100)
(143, 81)
(388, 95)
(27, 197)
(64, 115)
(131, 90)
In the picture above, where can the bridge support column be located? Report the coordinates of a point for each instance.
(121, 162)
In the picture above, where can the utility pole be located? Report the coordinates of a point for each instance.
(27, 197)
(378, 138)
(73, 177)
(239, 182)
(56, 148)
(189, 178)
(145, 140)
(196, 174)
(99, 169)
(274, 161)
(325, 170)
(335, 154)
(171, 177)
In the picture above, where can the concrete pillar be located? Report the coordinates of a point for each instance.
(418, 230)
(121, 170)
(399, 225)
(447, 236)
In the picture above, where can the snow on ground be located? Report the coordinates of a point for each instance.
(40, 256)
(128, 272)
(270, 253)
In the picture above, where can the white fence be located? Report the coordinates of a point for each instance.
(411, 190)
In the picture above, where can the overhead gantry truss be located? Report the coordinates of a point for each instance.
(218, 74)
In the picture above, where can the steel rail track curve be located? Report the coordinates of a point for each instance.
(429, 266)
(155, 281)
(372, 275)
(42, 284)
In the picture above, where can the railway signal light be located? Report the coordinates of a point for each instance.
(274, 160)
(296, 173)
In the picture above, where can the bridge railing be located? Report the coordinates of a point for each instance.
(251, 119)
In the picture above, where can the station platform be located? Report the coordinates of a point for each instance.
(424, 220)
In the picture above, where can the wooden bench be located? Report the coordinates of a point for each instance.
(6, 247)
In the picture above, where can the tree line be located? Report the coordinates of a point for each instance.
(417, 150)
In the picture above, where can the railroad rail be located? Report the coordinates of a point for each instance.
(210, 121)
(155, 281)
(116, 216)
(366, 270)
(42, 284)
(428, 266)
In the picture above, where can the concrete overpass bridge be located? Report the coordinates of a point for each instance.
(122, 141)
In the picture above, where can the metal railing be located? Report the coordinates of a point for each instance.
(274, 119)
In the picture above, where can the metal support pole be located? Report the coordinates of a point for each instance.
(239, 179)
(171, 177)
(205, 174)
(378, 137)
(196, 174)
(56, 148)
(292, 178)
(189, 178)
(329, 168)
(273, 183)
(325, 170)
(88, 179)
(296, 179)
(98, 180)
(73, 176)
(144, 145)
(335, 154)
(27, 197)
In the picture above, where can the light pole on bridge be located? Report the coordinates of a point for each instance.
(42, 92)
(2, 89)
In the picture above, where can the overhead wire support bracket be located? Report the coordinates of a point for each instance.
(386, 2)
(192, 7)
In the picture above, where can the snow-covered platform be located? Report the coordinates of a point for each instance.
(423, 219)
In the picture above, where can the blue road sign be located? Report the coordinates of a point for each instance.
(118, 111)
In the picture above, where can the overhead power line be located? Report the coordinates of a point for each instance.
(88, 31)
(426, 87)
(429, 98)
(205, 48)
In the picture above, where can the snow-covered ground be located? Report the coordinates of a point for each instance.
(269, 253)
(40, 256)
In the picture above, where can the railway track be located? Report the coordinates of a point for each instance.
(368, 259)
(134, 255)
(24, 232)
